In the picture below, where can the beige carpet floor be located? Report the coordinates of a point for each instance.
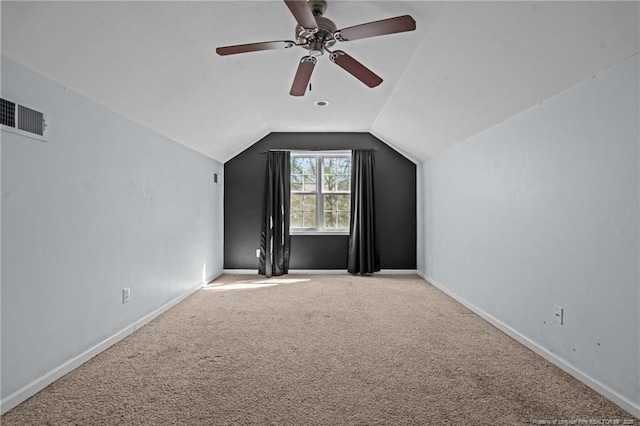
(316, 350)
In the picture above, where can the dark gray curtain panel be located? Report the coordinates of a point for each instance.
(364, 256)
(274, 238)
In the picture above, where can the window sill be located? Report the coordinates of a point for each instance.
(294, 233)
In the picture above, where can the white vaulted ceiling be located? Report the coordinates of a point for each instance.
(468, 66)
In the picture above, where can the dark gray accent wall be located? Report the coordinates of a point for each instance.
(395, 204)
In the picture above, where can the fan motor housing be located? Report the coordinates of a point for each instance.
(326, 28)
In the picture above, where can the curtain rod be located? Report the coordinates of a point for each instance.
(311, 150)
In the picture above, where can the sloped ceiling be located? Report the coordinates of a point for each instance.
(467, 67)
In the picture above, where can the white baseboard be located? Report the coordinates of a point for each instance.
(291, 271)
(397, 272)
(35, 386)
(241, 271)
(623, 402)
(321, 272)
(162, 309)
(42, 382)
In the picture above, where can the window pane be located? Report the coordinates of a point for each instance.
(309, 183)
(296, 182)
(309, 203)
(344, 184)
(336, 220)
(303, 165)
(336, 211)
(336, 174)
(296, 219)
(343, 219)
(303, 210)
(330, 219)
(303, 173)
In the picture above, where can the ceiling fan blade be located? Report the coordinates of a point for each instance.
(303, 75)
(355, 68)
(398, 24)
(254, 47)
(303, 14)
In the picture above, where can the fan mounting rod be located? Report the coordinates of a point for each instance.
(318, 7)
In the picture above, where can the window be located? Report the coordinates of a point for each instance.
(320, 192)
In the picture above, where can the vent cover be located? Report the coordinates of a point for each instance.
(21, 119)
(30, 120)
(7, 113)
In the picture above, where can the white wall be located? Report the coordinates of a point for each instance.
(543, 210)
(103, 204)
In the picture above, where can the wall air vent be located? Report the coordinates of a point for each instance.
(21, 119)
(7, 113)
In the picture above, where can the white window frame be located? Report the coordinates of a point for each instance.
(320, 193)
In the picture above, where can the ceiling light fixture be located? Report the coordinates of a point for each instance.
(321, 103)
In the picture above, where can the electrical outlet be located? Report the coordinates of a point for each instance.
(257, 252)
(558, 314)
(126, 294)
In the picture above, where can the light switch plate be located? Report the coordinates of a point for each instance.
(558, 314)
(126, 294)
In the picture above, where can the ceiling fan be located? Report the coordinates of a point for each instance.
(318, 34)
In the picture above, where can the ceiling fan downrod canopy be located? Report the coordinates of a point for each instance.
(318, 34)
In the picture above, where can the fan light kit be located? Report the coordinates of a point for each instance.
(321, 103)
(318, 34)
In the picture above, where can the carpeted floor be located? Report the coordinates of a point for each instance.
(316, 350)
